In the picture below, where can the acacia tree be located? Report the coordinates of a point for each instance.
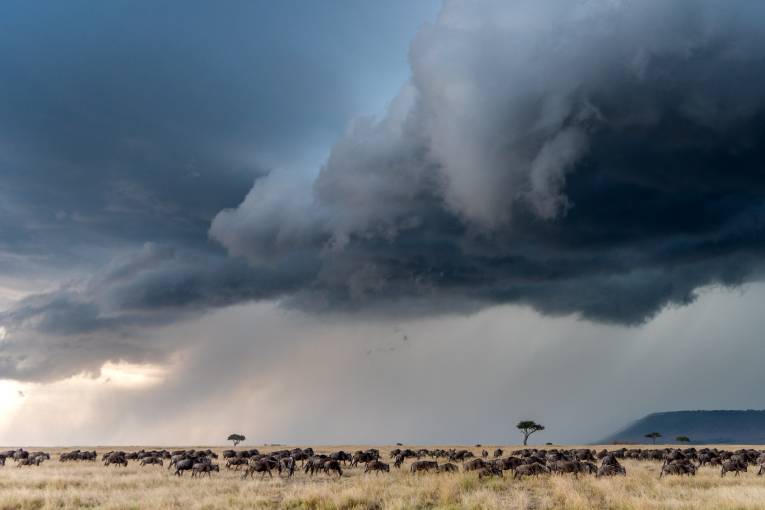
(652, 436)
(682, 439)
(236, 438)
(528, 427)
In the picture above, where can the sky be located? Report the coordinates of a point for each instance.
(372, 222)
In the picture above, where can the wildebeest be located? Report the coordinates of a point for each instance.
(202, 468)
(344, 457)
(732, 465)
(534, 469)
(448, 467)
(362, 457)
(490, 470)
(498, 453)
(31, 461)
(152, 460)
(473, 465)
(236, 462)
(423, 465)
(314, 464)
(678, 467)
(286, 464)
(332, 465)
(257, 466)
(510, 462)
(183, 465)
(611, 470)
(116, 459)
(568, 466)
(377, 466)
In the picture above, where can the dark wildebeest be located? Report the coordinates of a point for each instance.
(609, 460)
(511, 462)
(584, 454)
(183, 465)
(257, 466)
(116, 459)
(424, 465)
(490, 470)
(732, 465)
(332, 465)
(175, 458)
(448, 468)
(344, 457)
(202, 468)
(611, 470)
(566, 466)
(30, 461)
(377, 466)
(588, 467)
(498, 453)
(299, 455)
(236, 462)
(534, 469)
(678, 467)
(152, 460)
(708, 458)
(314, 464)
(362, 457)
(473, 465)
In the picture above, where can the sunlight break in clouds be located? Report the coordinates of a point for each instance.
(131, 375)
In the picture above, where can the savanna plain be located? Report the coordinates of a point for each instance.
(69, 485)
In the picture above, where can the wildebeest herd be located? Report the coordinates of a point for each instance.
(521, 463)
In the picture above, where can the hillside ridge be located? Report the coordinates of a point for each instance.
(725, 426)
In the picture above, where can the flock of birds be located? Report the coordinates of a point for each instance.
(521, 463)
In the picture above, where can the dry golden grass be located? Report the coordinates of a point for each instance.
(91, 485)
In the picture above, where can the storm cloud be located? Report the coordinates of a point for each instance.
(124, 130)
(593, 158)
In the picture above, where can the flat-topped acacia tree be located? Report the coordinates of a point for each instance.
(528, 427)
(236, 438)
(653, 436)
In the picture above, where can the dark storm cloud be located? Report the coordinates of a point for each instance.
(105, 315)
(131, 122)
(125, 128)
(602, 159)
(597, 158)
